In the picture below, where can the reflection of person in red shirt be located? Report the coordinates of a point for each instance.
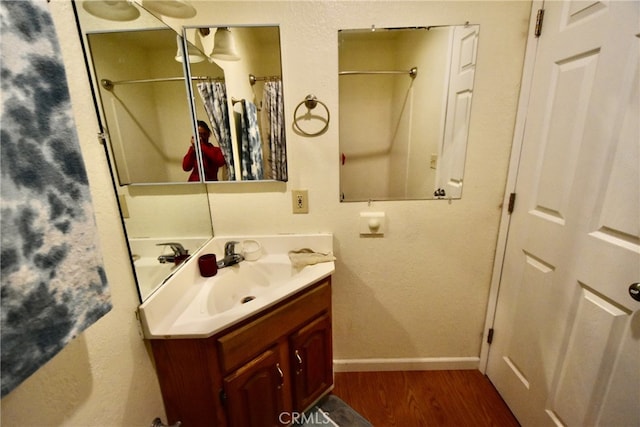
(212, 157)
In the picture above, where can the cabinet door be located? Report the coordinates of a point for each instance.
(255, 392)
(311, 356)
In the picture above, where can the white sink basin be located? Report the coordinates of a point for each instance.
(245, 282)
(189, 305)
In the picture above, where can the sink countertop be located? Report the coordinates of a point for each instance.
(177, 310)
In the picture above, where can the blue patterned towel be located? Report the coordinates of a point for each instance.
(53, 282)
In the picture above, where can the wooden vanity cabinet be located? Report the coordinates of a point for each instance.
(255, 393)
(311, 358)
(278, 361)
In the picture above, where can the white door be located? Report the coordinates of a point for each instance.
(566, 343)
(454, 143)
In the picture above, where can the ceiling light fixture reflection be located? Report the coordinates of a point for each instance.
(224, 47)
(112, 10)
(181, 9)
(193, 54)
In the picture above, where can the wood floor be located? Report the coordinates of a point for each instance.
(424, 398)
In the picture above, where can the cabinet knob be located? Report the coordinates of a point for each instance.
(299, 359)
(281, 375)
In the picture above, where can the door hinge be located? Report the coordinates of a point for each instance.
(539, 19)
(512, 202)
(223, 397)
(490, 336)
(102, 138)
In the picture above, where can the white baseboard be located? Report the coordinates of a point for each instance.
(409, 364)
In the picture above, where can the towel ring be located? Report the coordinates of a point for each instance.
(310, 102)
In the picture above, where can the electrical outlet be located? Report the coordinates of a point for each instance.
(300, 201)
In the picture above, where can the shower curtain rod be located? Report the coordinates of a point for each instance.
(108, 84)
(253, 79)
(412, 72)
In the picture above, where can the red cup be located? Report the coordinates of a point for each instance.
(208, 265)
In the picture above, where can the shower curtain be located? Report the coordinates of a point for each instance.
(214, 97)
(274, 110)
(251, 143)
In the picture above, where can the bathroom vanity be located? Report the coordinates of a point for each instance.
(276, 362)
(225, 360)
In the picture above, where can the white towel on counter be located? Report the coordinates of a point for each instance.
(303, 257)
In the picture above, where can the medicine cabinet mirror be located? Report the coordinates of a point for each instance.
(145, 103)
(405, 106)
(149, 123)
(149, 117)
(250, 97)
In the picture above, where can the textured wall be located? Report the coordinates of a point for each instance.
(419, 292)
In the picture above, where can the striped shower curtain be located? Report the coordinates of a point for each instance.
(273, 102)
(214, 98)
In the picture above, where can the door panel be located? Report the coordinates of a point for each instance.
(567, 333)
(596, 334)
(463, 66)
(255, 396)
(312, 359)
(570, 88)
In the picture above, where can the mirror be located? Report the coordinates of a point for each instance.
(145, 103)
(252, 93)
(405, 105)
(142, 48)
(250, 98)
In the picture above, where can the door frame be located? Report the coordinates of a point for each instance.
(512, 178)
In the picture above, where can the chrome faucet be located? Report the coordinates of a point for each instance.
(179, 253)
(230, 255)
(230, 248)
